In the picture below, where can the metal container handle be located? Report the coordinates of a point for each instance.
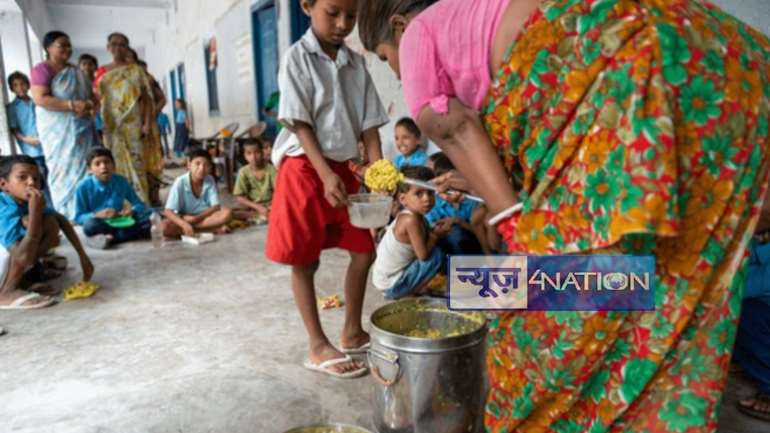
(388, 356)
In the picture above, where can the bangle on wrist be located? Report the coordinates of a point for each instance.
(504, 214)
(70, 105)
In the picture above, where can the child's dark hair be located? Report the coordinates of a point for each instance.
(253, 141)
(441, 163)
(88, 57)
(97, 152)
(199, 153)
(408, 124)
(7, 163)
(374, 18)
(414, 172)
(17, 76)
(182, 103)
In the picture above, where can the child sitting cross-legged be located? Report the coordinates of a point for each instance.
(256, 181)
(193, 201)
(408, 256)
(28, 230)
(102, 196)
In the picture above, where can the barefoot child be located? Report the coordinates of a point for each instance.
(408, 144)
(193, 201)
(28, 231)
(102, 196)
(408, 255)
(256, 181)
(328, 102)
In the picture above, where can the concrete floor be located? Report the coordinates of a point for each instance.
(179, 342)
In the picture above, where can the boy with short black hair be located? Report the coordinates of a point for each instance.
(101, 197)
(193, 201)
(256, 180)
(28, 230)
(22, 122)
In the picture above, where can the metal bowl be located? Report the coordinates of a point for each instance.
(329, 428)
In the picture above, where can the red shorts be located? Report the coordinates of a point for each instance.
(303, 223)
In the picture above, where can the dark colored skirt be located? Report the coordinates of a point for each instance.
(181, 138)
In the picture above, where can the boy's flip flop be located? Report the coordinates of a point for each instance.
(356, 350)
(19, 303)
(760, 414)
(324, 367)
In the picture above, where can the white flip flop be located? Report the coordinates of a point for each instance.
(356, 350)
(324, 368)
(18, 304)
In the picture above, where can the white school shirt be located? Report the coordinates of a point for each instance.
(337, 98)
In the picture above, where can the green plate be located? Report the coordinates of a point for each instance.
(121, 222)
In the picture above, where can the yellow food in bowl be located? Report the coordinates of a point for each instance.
(382, 176)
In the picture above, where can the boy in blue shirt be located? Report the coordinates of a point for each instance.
(102, 196)
(409, 144)
(461, 238)
(193, 201)
(23, 125)
(28, 230)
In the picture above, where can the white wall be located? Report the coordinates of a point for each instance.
(15, 56)
(753, 12)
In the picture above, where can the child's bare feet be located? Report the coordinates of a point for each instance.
(223, 230)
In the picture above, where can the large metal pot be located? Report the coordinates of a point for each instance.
(430, 384)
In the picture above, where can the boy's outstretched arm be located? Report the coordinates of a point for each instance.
(69, 232)
(244, 201)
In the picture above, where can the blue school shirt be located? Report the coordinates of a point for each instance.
(416, 159)
(758, 275)
(11, 213)
(93, 196)
(182, 201)
(163, 124)
(444, 209)
(21, 117)
(180, 117)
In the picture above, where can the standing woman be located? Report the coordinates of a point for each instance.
(64, 102)
(623, 127)
(127, 112)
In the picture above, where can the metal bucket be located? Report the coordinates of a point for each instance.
(430, 384)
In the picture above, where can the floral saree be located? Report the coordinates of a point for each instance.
(635, 127)
(121, 90)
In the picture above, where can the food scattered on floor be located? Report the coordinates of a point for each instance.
(329, 302)
(80, 290)
(382, 176)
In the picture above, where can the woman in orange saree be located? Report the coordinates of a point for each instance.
(634, 127)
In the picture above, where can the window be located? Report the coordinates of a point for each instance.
(210, 60)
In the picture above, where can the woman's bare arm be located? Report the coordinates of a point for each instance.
(460, 134)
(43, 98)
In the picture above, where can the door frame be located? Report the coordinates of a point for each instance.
(257, 48)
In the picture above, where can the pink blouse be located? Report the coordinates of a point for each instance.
(445, 51)
(41, 75)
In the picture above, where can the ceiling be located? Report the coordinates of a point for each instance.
(8, 5)
(88, 22)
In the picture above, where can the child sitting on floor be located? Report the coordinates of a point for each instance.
(28, 230)
(102, 196)
(193, 201)
(408, 256)
(462, 238)
(256, 181)
(408, 144)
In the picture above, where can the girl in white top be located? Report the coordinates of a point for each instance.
(407, 256)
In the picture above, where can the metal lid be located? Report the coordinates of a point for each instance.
(447, 330)
(329, 428)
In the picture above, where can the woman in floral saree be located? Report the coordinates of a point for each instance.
(127, 111)
(64, 104)
(624, 126)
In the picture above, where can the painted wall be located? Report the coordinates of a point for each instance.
(15, 56)
(753, 12)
